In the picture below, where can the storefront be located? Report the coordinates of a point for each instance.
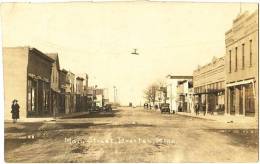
(38, 97)
(241, 98)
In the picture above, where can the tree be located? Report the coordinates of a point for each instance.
(150, 91)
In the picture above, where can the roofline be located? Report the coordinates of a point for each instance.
(80, 78)
(217, 59)
(38, 52)
(41, 54)
(179, 77)
(64, 70)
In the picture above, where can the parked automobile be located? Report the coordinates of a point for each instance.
(95, 109)
(146, 105)
(108, 107)
(165, 108)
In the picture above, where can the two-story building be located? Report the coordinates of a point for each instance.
(55, 84)
(70, 94)
(80, 103)
(172, 90)
(62, 79)
(242, 65)
(184, 96)
(209, 86)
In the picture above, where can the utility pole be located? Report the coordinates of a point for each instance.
(114, 94)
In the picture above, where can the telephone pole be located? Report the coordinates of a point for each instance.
(115, 94)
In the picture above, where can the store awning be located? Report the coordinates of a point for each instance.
(240, 83)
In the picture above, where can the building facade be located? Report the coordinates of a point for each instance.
(172, 96)
(27, 77)
(62, 80)
(81, 100)
(70, 94)
(55, 85)
(209, 86)
(242, 66)
(79, 86)
(184, 96)
(99, 97)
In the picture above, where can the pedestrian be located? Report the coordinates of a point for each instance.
(204, 109)
(197, 108)
(15, 111)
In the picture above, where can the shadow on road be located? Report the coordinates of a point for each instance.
(246, 137)
(11, 144)
(96, 115)
(109, 126)
(22, 127)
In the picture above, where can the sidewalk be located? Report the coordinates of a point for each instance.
(224, 118)
(72, 115)
(48, 119)
(45, 119)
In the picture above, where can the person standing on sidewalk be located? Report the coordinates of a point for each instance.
(15, 111)
(197, 108)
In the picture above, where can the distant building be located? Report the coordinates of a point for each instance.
(242, 65)
(209, 86)
(70, 95)
(55, 84)
(159, 98)
(81, 98)
(27, 78)
(62, 77)
(172, 90)
(184, 96)
(70, 82)
(99, 97)
(105, 96)
(79, 86)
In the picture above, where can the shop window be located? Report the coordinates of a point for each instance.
(250, 101)
(31, 95)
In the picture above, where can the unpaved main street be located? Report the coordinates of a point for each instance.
(130, 135)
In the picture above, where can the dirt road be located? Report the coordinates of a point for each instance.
(130, 135)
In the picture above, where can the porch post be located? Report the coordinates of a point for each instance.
(237, 101)
(244, 100)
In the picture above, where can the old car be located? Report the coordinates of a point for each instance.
(165, 108)
(108, 107)
(146, 105)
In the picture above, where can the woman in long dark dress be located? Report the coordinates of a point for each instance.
(15, 111)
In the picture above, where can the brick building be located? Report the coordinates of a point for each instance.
(209, 86)
(242, 65)
(27, 76)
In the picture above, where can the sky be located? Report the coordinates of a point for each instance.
(98, 38)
